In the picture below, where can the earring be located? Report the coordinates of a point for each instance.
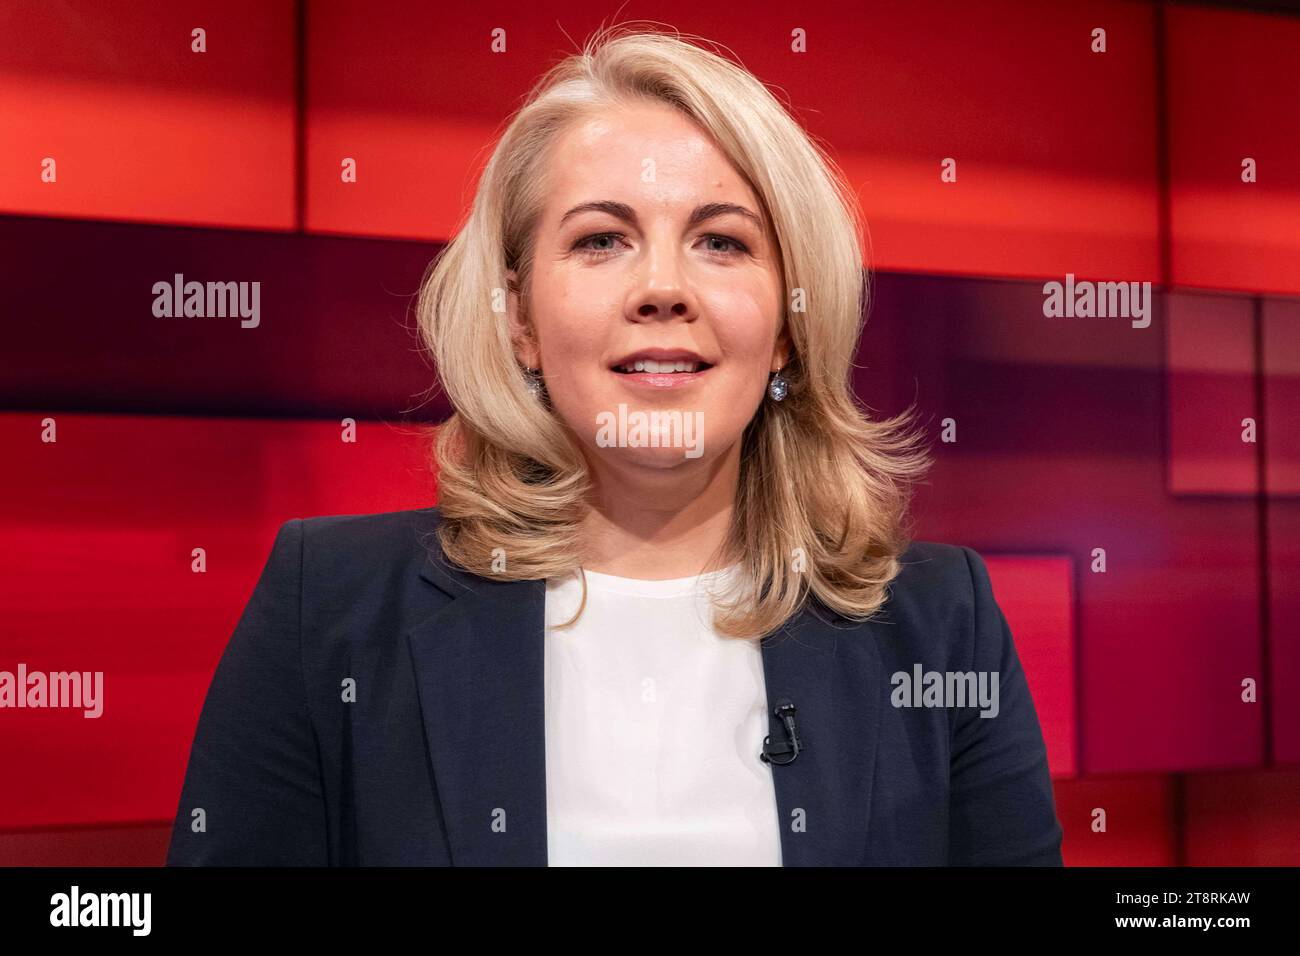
(535, 384)
(778, 387)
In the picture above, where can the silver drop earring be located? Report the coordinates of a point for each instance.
(778, 387)
(535, 384)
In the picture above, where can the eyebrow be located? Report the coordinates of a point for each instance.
(627, 214)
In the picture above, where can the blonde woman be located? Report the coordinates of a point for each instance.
(666, 611)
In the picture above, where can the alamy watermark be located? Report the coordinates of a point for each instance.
(83, 689)
(75, 908)
(1102, 300)
(653, 429)
(946, 689)
(209, 300)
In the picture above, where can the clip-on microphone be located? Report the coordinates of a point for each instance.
(787, 753)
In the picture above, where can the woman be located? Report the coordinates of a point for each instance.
(666, 611)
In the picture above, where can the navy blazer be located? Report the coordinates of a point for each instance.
(438, 757)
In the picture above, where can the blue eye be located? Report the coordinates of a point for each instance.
(735, 244)
(584, 244)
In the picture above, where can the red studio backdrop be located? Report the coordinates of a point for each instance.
(127, 157)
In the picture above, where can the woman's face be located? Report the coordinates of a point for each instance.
(651, 248)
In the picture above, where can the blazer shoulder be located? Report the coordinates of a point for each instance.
(934, 570)
(358, 549)
(335, 532)
(936, 594)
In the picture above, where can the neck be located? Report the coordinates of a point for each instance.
(661, 523)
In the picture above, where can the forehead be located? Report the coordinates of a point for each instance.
(648, 152)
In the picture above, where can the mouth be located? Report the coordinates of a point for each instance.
(643, 367)
(658, 369)
(660, 362)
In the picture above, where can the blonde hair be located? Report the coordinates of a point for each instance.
(824, 490)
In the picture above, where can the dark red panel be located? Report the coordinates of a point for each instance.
(1036, 594)
(1282, 530)
(1243, 819)
(96, 538)
(144, 845)
(335, 332)
(1281, 355)
(1060, 449)
(1140, 821)
(1211, 355)
(141, 127)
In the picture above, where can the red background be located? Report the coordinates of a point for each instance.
(1072, 434)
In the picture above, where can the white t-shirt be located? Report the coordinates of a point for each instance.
(654, 724)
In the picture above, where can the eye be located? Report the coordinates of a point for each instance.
(584, 243)
(731, 247)
(736, 244)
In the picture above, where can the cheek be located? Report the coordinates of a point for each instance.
(568, 319)
(573, 320)
(746, 326)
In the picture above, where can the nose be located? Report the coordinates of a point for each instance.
(662, 291)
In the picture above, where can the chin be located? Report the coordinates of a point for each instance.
(660, 458)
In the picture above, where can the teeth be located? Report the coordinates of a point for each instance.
(650, 365)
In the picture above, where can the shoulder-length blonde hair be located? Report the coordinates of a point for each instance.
(823, 493)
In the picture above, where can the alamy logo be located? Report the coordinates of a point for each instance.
(1103, 300)
(655, 429)
(209, 300)
(946, 689)
(84, 689)
(102, 909)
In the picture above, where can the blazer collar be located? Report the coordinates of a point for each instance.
(479, 662)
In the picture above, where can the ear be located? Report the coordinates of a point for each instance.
(521, 334)
(782, 349)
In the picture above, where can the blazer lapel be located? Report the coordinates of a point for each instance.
(479, 673)
(479, 668)
(824, 796)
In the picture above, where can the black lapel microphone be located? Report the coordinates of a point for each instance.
(787, 752)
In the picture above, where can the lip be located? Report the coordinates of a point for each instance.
(661, 380)
(661, 355)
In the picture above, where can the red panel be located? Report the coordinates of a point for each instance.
(1060, 449)
(97, 846)
(1246, 819)
(1282, 394)
(143, 128)
(1139, 818)
(96, 533)
(1211, 355)
(1231, 820)
(1008, 89)
(1037, 596)
(1282, 457)
(139, 126)
(335, 333)
(1281, 692)
(1233, 94)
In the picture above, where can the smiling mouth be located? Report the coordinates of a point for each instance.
(650, 366)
